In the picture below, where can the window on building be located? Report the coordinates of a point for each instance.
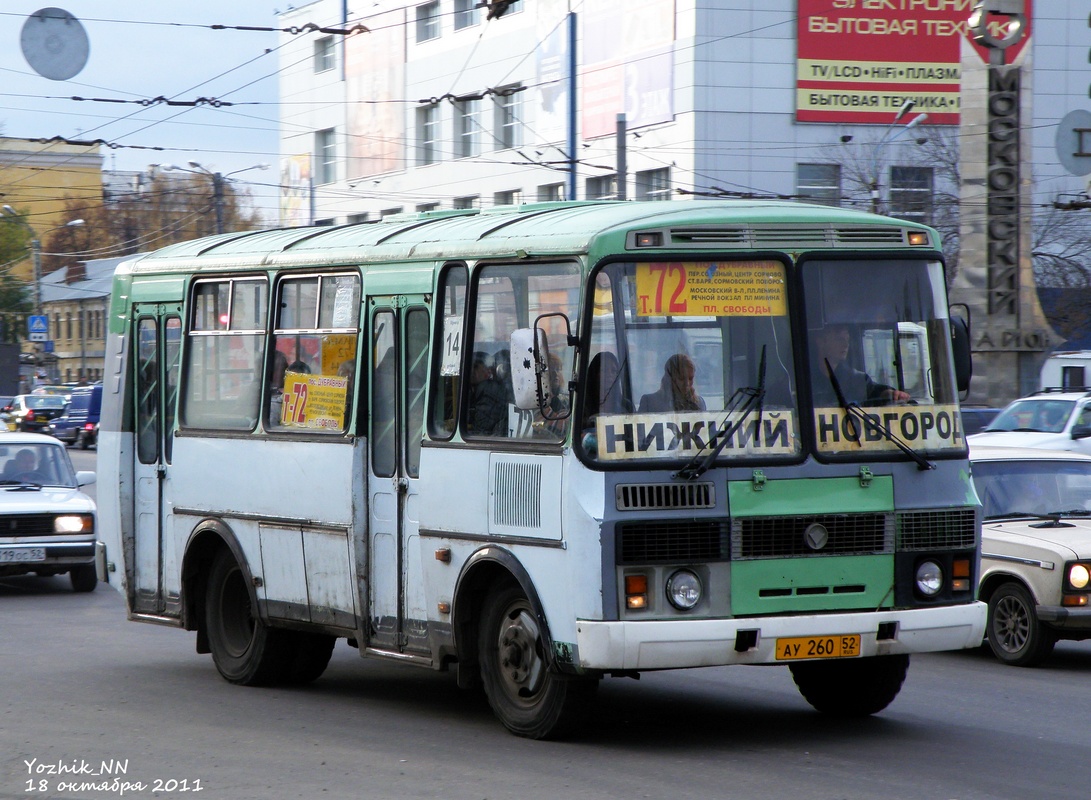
(514, 8)
(427, 134)
(68, 327)
(549, 192)
(389, 212)
(468, 128)
(355, 219)
(602, 188)
(512, 197)
(507, 118)
(469, 201)
(421, 207)
(819, 183)
(653, 184)
(428, 21)
(325, 152)
(467, 13)
(325, 54)
(326, 221)
(911, 195)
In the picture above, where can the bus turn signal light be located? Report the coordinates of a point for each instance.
(636, 591)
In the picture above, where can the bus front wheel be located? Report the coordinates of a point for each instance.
(244, 649)
(851, 687)
(528, 698)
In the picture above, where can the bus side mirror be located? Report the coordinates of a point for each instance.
(529, 367)
(960, 347)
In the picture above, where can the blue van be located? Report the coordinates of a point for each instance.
(79, 423)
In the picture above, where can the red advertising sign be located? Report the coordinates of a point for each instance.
(860, 60)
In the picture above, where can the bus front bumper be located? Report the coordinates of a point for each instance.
(675, 644)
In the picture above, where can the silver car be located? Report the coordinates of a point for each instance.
(1035, 549)
(47, 525)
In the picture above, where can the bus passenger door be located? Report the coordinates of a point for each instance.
(399, 333)
(156, 340)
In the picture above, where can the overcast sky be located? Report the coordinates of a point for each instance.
(142, 50)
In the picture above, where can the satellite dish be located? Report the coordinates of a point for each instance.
(55, 44)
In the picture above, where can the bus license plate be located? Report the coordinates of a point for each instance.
(26, 554)
(799, 647)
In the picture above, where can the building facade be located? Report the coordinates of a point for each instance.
(392, 107)
(76, 312)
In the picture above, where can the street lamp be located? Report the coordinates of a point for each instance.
(889, 135)
(217, 184)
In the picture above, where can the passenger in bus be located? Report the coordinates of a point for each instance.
(501, 370)
(604, 389)
(488, 411)
(832, 348)
(676, 390)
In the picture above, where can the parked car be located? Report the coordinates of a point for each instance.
(6, 422)
(78, 425)
(1035, 549)
(34, 412)
(47, 525)
(1050, 419)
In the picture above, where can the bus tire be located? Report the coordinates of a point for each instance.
(245, 650)
(84, 578)
(529, 699)
(854, 687)
(1015, 635)
(310, 657)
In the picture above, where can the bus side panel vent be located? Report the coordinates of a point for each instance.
(516, 495)
(644, 496)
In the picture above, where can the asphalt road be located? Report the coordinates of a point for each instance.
(80, 685)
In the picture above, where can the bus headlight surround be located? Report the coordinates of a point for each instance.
(929, 578)
(684, 590)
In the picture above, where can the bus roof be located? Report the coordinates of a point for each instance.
(540, 229)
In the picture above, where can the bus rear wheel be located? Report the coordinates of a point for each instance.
(528, 698)
(245, 650)
(851, 687)
(309, 658)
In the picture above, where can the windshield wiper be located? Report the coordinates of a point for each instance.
(854, 410)
(743, 400)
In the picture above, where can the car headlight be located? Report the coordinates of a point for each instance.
(74, 523)
(929, 578)
(1079, 576)
(684, 590)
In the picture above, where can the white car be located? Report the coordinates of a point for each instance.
(1035, 549)
(47, 525)
(1052, 420)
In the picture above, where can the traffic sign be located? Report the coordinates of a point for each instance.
(38, 327)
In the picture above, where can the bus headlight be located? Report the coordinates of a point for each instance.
(684, 590)
(929, 578)
(1079, 576)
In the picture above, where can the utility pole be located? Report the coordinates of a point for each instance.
(218, 199)
(36, 253)
(622, 158)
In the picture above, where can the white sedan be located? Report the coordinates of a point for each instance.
(47, 525)
(1035, 549)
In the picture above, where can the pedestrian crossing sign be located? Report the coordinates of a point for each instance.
(38, 327)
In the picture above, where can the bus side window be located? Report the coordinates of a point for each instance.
(450, 331)
(312, 370)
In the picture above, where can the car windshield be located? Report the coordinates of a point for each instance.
(1033, 487)
(38, 401)
(42, 463)
(1044, 415)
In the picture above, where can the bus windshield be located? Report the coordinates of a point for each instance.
(686, 354)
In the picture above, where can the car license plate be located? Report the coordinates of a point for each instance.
(25, 554)
(799, 647)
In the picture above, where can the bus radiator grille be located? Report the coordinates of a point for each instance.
(778, 537)
(684, 541)
(937, 529)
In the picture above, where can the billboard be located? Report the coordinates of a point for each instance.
(860, 60)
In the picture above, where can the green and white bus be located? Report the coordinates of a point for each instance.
(546, 445)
